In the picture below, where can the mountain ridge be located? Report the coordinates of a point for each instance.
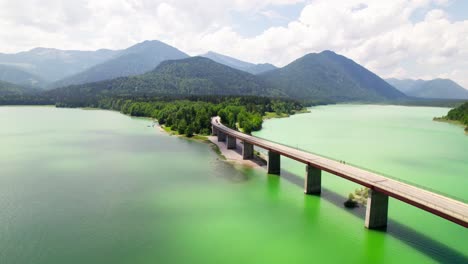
(435, 89)
(14, 75)
(238, 64)
(327, 75)
(53, 64)
(8, 89)
(189, 76)
(135, 60)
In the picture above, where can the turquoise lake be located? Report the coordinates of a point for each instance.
(93, 186)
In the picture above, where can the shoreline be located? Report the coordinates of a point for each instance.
(232, 156)
(452, 122)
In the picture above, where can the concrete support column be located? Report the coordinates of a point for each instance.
(313, 180)
(221, 136)
(214, 131)
(274, 163)
(247, 151)
(377, 210)
(231, 142)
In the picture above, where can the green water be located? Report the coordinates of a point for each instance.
(89, 186)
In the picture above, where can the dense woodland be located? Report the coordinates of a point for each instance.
(459, 114)
(193, 115)
(192, 76)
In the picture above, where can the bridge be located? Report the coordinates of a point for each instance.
(381, 188)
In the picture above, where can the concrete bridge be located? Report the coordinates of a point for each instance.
(380, 187)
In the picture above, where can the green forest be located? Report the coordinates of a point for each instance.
(459, 114)
(192, 115)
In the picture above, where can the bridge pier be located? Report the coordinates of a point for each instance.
(231, 142)
(376, 210)
(214, 131)
(274, 163)
(247, 151)
(313, 180)
(221, 136)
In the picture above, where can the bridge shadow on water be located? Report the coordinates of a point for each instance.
(434, 249)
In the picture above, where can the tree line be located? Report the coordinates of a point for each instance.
(460, 114)
(192, 115)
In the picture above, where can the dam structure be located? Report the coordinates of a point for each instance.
(381, 187)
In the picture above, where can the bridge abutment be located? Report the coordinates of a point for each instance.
(221, 136)
(214, 131)
(247, 151)
(274, 163)
(231, 142)
(313, 180)
(377, 210)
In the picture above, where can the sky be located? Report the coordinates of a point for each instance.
(396, 38)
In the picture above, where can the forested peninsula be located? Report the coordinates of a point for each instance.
(458, 115)
(192, 115)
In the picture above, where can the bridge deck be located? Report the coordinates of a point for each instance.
(451, 209)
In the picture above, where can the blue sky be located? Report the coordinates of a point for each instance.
(398, 38)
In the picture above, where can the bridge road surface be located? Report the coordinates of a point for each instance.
(448, 208)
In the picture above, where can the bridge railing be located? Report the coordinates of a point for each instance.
(396, 191)
(461, 199)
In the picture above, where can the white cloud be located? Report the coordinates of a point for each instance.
(381, 35)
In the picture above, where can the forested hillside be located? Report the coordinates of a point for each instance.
(238, 64)
(9, 89)
(459, 114)
(327, 75)
(192, 76)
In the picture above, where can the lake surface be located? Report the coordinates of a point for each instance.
(90, 186)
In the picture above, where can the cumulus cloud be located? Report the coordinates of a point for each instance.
(381, 35)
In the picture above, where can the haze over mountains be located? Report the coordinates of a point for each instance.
(137, 59)
(153, 67)
(16, 75)
(437, 88)
(238, 64)
(52, 64)
(8, 89)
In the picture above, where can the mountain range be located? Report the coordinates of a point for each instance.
(437, 88)
(52, 64)
(138, 59)
(8, 89)
(153, 67)
(238, 64)
(323, 76)
(18, 76)
(190, 76)
(327, 75)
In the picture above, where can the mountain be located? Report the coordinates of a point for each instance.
(405, 85)
(191, 76)
(20, 77)
(53, 64)
(7, 89)
(238, 64)
(327, 75)
(437, 88)
(138, 59)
